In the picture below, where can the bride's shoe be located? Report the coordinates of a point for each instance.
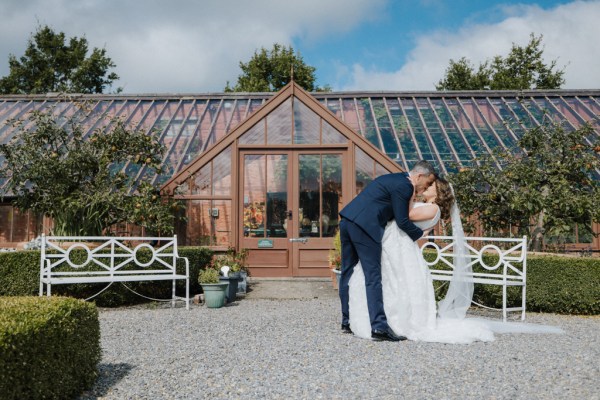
(389, 335)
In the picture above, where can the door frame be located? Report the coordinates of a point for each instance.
(268, 261)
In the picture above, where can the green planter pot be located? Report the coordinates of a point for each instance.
(214, 294)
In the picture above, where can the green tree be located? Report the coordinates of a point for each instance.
(78, 182)
(523, 68)
(544, 187)
(269, 71)
(51, 65)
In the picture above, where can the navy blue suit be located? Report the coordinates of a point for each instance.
(361, 231)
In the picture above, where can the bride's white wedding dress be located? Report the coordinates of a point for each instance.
(408, 295)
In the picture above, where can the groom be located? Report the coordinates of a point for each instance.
(361, 231)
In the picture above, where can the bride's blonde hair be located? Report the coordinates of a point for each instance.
(444, 197)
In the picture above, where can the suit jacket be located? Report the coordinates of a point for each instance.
(385, 198)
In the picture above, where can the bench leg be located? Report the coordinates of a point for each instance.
(173, 295)
(187, 293)
(523, 299)
(504, 303)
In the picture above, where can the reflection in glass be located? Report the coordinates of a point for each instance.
(309, 171)
(254, 195)
(277, 167)
(331, 190)
(320, 194)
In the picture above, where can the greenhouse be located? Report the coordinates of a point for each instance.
(270, 171)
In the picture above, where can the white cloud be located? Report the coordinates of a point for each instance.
(570, 33)
(179, 45)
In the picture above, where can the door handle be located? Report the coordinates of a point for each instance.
(299, 240)
(289, 214)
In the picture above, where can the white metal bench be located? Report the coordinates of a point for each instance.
(509, 270)
(109, 260)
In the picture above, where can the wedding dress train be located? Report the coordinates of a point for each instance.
(409, 298)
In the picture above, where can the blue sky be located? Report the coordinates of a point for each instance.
(192, 46)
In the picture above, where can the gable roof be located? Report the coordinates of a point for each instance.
(291, 90)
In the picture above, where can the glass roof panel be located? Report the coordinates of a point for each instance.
(370, 131)
(500, 121)
(453, 132)
(388, 139)
(238, 113)
(418, 129)
(350, 115)
(465, 124)
(306, 124)
(403, 132)
(334, 106)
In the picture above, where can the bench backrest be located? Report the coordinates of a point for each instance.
(511, 252)
(108, 256)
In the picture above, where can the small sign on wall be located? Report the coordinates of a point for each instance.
(265, 243)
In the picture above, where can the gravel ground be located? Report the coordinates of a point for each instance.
(293, 349)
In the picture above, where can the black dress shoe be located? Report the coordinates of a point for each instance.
(389, 335)
(346, 328)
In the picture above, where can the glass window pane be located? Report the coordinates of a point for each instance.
(254, 195)
(364, 170)
(222, 173)
(254, 135)
(309, 171)
(306, 124)
(221, 222)
(198, 229)
(279, 124)
(331, 193)
(332, 135)
(201, 181)
(277, 204)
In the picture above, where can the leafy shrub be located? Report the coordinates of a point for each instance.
(20, 276)
(49, 347)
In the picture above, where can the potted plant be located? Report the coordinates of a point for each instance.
(335, 259)
(214, 291)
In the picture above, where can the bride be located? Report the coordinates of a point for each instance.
(408, 294)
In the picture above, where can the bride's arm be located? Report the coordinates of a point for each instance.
(423, 213)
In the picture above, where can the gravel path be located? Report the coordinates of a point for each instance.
(293, 349)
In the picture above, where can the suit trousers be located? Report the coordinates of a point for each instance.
(358, 245)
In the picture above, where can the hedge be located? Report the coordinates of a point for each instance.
(20, 276)
(562, 285)
(49, 347)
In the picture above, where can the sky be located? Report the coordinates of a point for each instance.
(195, 46)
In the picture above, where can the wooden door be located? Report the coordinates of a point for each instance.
(289, 210)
